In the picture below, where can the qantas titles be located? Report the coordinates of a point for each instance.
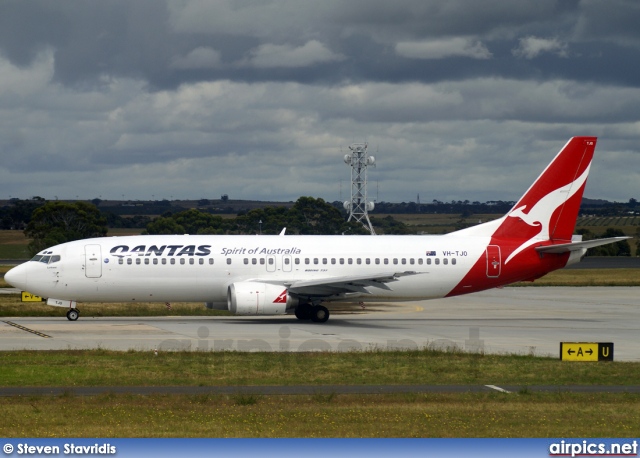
(193, 250)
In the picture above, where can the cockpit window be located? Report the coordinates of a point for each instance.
(46, 259)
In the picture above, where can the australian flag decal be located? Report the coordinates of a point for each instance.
(431, 253)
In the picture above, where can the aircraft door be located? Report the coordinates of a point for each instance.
(494, 261)
(271, 263)
(92, 261)
(286, 263)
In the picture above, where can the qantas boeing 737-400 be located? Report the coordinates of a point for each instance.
(274, 275)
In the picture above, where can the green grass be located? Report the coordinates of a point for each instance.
(429, 415)
(12, 306)
(588, 277)
(135, 368)
(491, 414)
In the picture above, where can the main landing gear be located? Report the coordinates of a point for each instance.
(315, 313)
(73, 314)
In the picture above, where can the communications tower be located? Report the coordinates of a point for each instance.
(358, 207)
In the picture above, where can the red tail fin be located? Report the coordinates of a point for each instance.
(549, 209)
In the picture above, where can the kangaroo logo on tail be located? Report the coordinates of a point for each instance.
(541, 213)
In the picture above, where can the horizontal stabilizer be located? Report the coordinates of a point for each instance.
(576, 246)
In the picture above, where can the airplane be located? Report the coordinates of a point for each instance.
(283, 274)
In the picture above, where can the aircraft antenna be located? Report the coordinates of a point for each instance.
(358, 207)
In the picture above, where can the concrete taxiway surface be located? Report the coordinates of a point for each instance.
(526, 320)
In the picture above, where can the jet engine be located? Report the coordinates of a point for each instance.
(255, 298)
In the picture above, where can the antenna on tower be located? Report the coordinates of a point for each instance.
(358, 207)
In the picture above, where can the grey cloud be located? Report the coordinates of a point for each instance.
(256, 98)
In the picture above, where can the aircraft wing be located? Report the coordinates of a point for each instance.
(576, 246)
(349, 284)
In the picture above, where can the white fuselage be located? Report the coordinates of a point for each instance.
(200, 268)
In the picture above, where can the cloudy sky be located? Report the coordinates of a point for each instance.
(260, 99)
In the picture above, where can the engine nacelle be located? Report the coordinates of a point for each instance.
(255, 298)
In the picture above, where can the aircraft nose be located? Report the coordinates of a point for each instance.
(17, 277)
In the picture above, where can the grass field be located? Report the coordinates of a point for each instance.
(522, 414)
(466, 415)
(230, 368)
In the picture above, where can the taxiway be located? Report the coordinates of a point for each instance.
(523, 320)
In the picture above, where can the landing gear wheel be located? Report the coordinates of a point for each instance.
(303, 312)
(73, 314)
(319, 314)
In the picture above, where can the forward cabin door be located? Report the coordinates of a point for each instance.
(494, 261)
(92, 257)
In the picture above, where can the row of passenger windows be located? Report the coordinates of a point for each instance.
(298, 261)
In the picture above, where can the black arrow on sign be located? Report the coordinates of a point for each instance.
(590, 351)
(571, 352)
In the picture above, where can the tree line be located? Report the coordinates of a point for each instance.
(54, 222)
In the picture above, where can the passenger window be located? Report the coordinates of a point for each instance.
(246, 261)
(306, 260)
(137, 260)
(395, 260)
(358, 261)
(181, 261)
(437, 261)
(297, 261)
(270, 261)
(412, 261)
(350, 260)
(129, 261)
(262, 261)
(377, 260)
(228, 260)
(192, 261)
(146, 261)
(341, 260)
(201, 261)
(445, 261)
(420, 261)
(315, 260)
(404, 260)
(368, 261)
(286, 261)
(120, 261)
(386, 260)
(429, 261)
(173, 261)
(333, 260)
(324, 260)
(453, 261)
(155, 261)
(211, 261)
(254, 261)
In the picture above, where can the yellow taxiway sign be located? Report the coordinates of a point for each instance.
(28, 297)
(586, 351)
